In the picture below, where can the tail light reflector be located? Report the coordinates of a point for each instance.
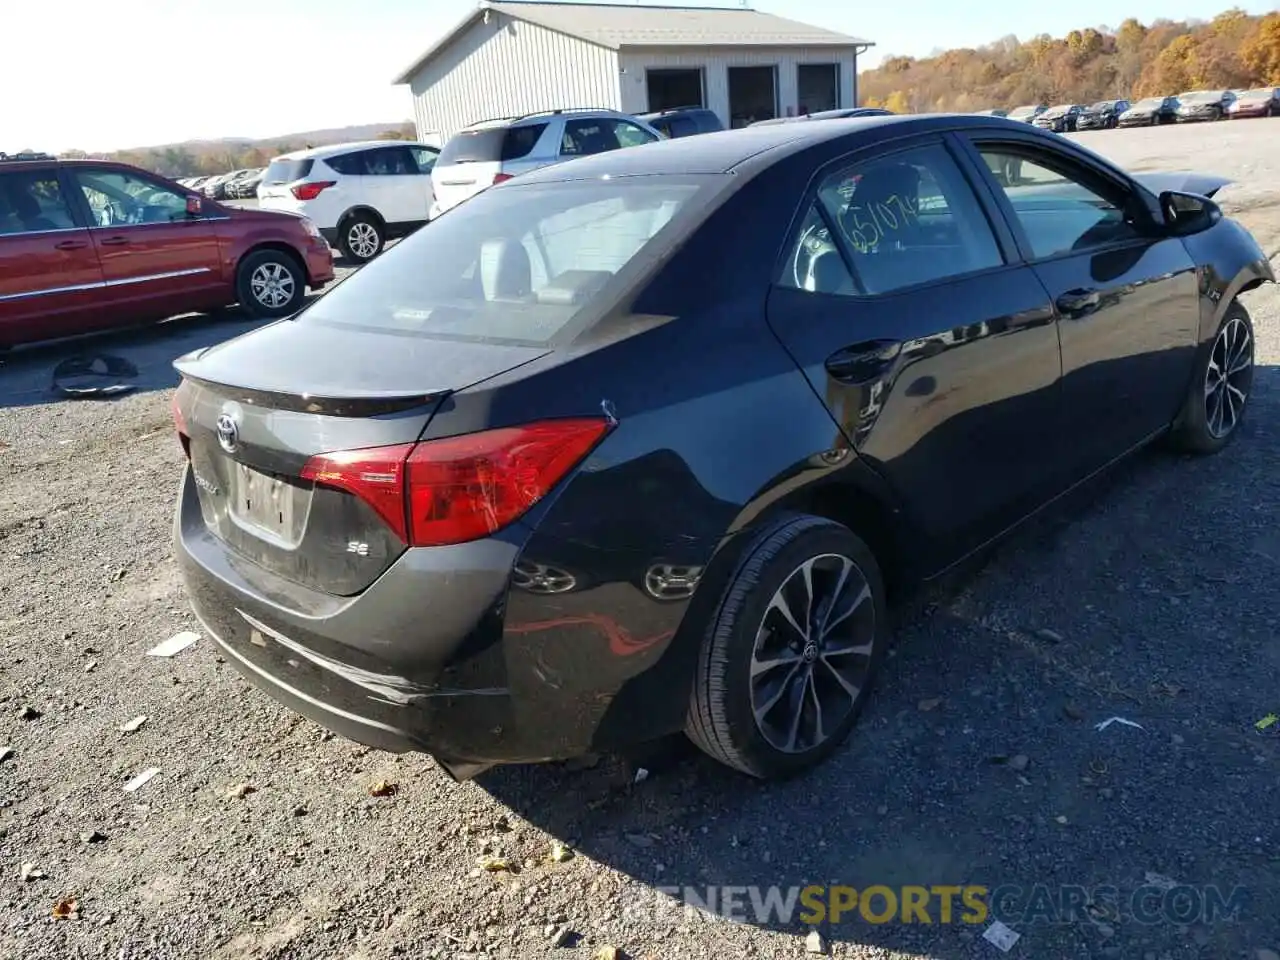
(309, 191)
(501, 178)
(460, 488)
(180, 424)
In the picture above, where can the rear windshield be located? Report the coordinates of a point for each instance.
(286, 171)
(514, 264)
(491, 145)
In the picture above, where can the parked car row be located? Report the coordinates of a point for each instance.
(1189, 107)
(236, 185)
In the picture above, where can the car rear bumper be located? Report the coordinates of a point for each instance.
(319, 259)
(441, 655)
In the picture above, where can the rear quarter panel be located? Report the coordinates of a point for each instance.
(716, 429)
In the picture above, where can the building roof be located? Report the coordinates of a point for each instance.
(616, 26)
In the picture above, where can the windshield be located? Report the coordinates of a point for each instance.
(1057, 111)
(1262, 93)
(1201, 96)
(1102, 105)
(514, 264)
(1150, 103)
(1021, 112)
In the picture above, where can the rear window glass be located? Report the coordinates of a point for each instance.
(287, 171)
(512, 264)
(491, 145)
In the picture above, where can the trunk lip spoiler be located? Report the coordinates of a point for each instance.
(355, 404)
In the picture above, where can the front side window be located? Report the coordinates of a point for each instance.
(630, 135)
(1058, 211)
(389, 162)
(510, 265)
(901, 220)
(33, 202)
(125, 199)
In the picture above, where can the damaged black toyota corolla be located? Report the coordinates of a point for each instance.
(639, 443)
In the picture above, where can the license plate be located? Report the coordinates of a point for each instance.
(262, 501)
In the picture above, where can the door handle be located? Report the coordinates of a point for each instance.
(70, 245)
(1073, 303)
(114, 241)
(861, 362)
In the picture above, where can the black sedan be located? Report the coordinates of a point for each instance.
(1060, 119)
(1103, 115)
(1197, 105)
(1150, 112)
(646, 441)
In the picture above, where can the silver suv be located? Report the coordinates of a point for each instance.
(491, 151)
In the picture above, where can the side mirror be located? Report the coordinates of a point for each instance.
(1187, 213)
(195, 206)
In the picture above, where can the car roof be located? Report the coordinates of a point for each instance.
(540, 115)
(731, 150)
(337, 149)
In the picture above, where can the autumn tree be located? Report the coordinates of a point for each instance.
(1260, 53)
(1164, 57)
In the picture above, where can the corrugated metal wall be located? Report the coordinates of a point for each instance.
(507, 67)
(715, 63)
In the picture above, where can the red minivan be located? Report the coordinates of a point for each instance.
(87, 245)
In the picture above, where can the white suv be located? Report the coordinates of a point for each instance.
(360, 195)
(492, 151)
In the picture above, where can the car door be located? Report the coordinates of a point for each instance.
(424, 161)
(1125, 294)
(397, 188)
(50, 278)
(932, 345)
(157, 259)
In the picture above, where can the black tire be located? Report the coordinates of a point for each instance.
(1194, 429)
(722, 719)
(361, 237)
(270, 283)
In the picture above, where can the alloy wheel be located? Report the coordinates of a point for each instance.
(812, 653)
(272, 285)
(363, 239)
(541, 578)
(1228, 378)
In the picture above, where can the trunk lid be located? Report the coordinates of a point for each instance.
(258, 408)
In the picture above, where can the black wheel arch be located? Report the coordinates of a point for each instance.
(276, 246)
(361, 209)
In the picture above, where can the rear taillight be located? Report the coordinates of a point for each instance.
(460, 488)
(309, 191)
(501, 178)
(180, 424)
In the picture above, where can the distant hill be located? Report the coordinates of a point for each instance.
(1164, 58)
(196, 157)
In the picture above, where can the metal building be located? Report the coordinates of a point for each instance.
(511, 58)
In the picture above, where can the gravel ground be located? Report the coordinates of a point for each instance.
(1151, 597)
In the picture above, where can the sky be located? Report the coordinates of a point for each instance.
(162, 71)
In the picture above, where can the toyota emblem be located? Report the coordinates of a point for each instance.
(228, 433)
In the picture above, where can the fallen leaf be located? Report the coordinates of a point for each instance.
(930, 704)
(1266, 721)
(493, 864)
(66, 909)
(134, 725)
(384, 788)
(560, 852)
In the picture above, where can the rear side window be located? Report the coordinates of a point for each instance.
(32, 202)
(682, 127)
(520, 141)
(287, 171)
(901, 220)
(348, 164)
(511, 265)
